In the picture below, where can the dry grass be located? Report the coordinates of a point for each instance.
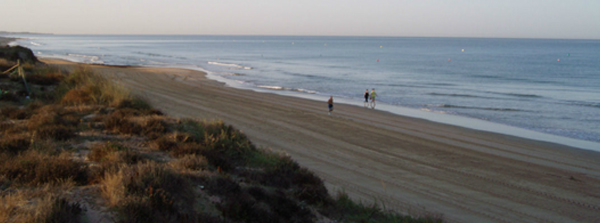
(45, 76)
(110, 157)
(33, 168)
(82, 86)
(14, 112)
(39, 205)
(15, 143)
(111, 152)
(4, 63)
(48, 123)
(190, 162)
(149, 192)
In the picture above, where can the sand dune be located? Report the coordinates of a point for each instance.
(410, 165)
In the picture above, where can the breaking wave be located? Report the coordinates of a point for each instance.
(279, 88)
(236, 66)
(477, 108)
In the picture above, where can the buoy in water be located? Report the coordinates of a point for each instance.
(380, 46)
(463, 50)
(448, 59)
(558, 60)
(377, 59)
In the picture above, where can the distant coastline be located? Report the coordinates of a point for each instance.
(23, 33)
(5, 40)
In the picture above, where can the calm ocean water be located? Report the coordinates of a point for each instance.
(550, 86)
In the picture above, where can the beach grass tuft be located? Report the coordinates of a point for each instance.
(35, 168)
(83, 86)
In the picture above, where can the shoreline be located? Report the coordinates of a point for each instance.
(447, 119)
(409, 164)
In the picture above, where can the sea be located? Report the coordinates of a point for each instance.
(524, 87)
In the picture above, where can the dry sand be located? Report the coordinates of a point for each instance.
(410, 165)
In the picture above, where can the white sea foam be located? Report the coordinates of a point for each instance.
(305, 91)
(85, 58)
(35, 44)
(279, 88)
(271, 87)
(236, 66)
(232, 74)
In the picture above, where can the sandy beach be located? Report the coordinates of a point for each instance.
(407, 164)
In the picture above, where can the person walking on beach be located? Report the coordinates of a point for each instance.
(330, 104)
(366, 98)
(373, 95)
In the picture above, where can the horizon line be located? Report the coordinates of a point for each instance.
(299, 35)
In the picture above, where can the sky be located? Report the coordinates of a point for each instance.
(575, 19)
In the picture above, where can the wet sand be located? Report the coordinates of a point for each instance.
(411, 165)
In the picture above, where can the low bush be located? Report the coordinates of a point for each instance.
(282, 172)
(56, 132)
(34, 168)
(119, 122)
(347, 210)
(135, 103)
(255, 204)
(49, 207)
(59, 209)
(110, 158)
(45, 117)
(190, 162)
(77, 96)
(153, 128)
(226, 148)
(10, 96)
(13, 112)
(48, 124)
(111, 152)
(82, 86)
(149, 192)
(14, 143)
(164, 143)
(45, 76)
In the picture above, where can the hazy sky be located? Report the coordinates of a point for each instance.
(448, 18)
